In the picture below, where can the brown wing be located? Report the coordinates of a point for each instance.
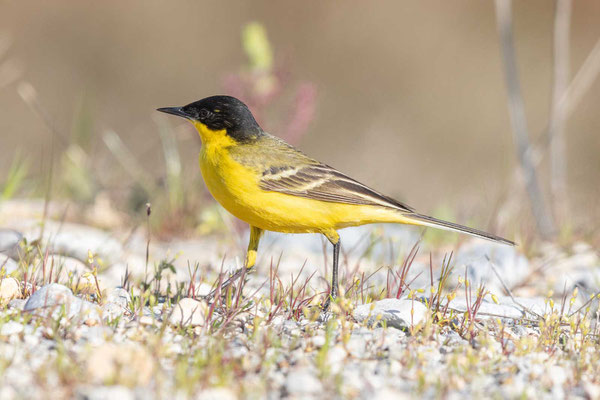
(321, 182)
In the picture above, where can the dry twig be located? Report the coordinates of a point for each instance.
(543, 217)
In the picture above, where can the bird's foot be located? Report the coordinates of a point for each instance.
(326, 312)
(326, 305)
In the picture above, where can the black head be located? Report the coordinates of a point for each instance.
(221, 112)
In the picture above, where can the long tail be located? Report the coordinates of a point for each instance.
(424, 220)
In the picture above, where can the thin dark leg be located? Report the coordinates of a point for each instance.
(334, 276)
(333, 293)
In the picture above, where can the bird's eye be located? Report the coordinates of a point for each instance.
(204, 113)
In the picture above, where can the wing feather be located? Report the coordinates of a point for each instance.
(322, 182)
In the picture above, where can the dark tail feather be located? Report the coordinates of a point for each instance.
(425, 220)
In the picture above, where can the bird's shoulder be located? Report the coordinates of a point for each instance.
(270, 151)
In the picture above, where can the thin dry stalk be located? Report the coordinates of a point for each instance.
(399, 278)
(544, 219)
(558, 113)
(148, 213)
(300, 300)
(445, 272)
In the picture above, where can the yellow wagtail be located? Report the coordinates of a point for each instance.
(272, 186)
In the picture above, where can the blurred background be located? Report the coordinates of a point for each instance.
(408, 97)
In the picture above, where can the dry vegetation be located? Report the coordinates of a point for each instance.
(266, 334)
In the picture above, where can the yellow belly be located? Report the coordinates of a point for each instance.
(236, 188)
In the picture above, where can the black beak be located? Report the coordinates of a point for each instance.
(175, 111)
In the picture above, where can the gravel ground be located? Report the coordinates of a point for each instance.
(83, 315)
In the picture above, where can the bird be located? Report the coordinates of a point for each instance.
(272, 186)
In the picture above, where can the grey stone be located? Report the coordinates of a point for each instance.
(116, 303)
(506, 307)
(10, 328)
(587, 279)
(401, 314)
(452, 338)
(237, 351)
(17, 304)
(291, 328)
(189, 312)
(318, 341)
(336, 358)
(9, 243)
(95, 335)
(9, 289)
(76, 240)
(357, 346)
(537, 305)
(353, 378)
(49, 295)
(277, 320)
(105, 393)
(217, 394)
(158, 310)
(8, 264)
(577, 261)
(48, 300)
(512, 266)
(203, 289)
(387, 393)
(147, 312)
(8, 393)
(110, 311)
(302, 382)
(64, 267)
